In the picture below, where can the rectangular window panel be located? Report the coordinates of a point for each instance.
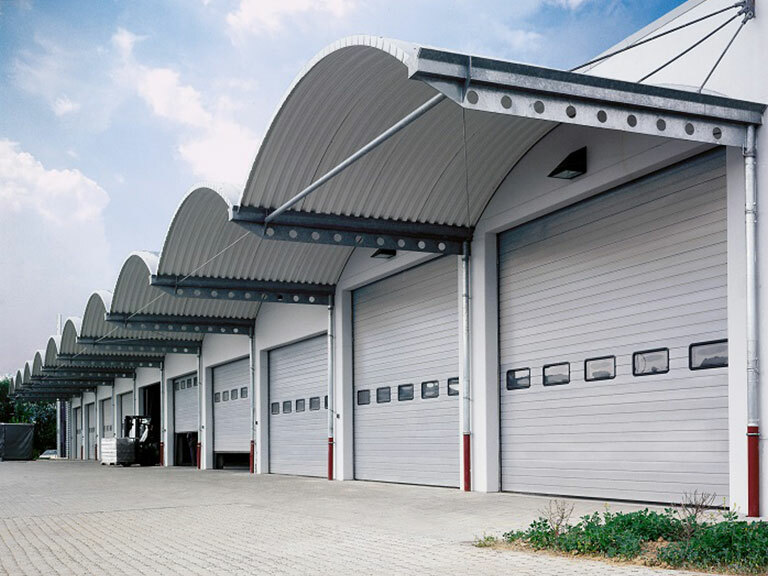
(603, 368)
(217, 397)
(704, 355)
(650, 362)
(314, 403)
(453, 386)
(363, 397)
(183, 384)
(301, 405)
(244, 392)
(383, 395)
(405, 392)
(275, 408)
(287, 407)
(556, 374)
(225, 396)
(176, 386)
(233, 394)
(430, 389)
(518, 378)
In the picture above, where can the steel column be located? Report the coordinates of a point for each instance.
(252, 402)
(199, 408)
(466, 423)
(331, 400)
(163, 431)
(58, 427)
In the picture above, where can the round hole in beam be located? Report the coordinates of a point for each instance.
(441, 246)
(506, 102)
(401, 243)
(689, 129)
(422, 244)
(632, 120)
(197, 328)
(538, 106)
(315, 236)
(223, 330)
(380, 241)
(661, 125)
(179, 291)
(183, 328)
(170, 327)
(717, 133)
(570, 111)
(197, 292)
(472, 97)
(235, 330)
(270, 231)
(247, 295)
(337, 237)
(214, 293)
(359, 239)
(602, 116)
(295, 298)
(312, 299)
(231, 294)
(293, 234)
(175, 349)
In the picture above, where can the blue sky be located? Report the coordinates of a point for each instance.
(110, 111)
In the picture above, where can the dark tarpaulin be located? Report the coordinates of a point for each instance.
(16, 441)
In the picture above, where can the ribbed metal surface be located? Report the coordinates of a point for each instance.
(91, 430)
(350, 94)
(185, 403)
(133, 294)
(201, 230)
(231, 432)
(37, 363)
(406, 331)
(78, 431)
(69, 335)
(125, 402)
(52, 352)
(27, 373)
(638, 268)
(107, 425)
(298, 440)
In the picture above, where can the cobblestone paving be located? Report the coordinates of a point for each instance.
(81, 518)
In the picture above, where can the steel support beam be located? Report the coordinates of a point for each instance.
(84, 372)
(141, 345)
(312, 228)
(247, 290)
(110, 360)
(570, 98)
(182, 324)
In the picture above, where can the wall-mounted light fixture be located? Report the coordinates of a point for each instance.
(575, 164)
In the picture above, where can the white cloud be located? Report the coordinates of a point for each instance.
(54, 248)
(520, 41)
(257, 16)
(63, 106)
(569, 4)
(223, 153)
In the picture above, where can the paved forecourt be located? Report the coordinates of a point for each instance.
(81, 518)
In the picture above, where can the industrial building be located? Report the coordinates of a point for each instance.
(457, 271)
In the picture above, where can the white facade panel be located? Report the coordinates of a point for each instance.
(406, 333)
(78, 417)
(107, 424)
(126, 409)
(231, 407)
(91, 429)
(185, 403)
(638, 268)
(298, 417)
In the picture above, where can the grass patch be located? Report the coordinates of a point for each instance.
(685, 538)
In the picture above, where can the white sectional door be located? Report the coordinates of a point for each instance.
(106, 419)
(78, 433)
(605, 299)
(298, 415)
(231, 407)
(406, 366)
(185, 403)
(91, 412)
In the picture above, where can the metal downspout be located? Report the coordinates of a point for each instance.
(82, 424)
(163, 431)
(199, 406)
(753, 367)
(58, 428)
(252, 403)
(331, 400)
(466, 424)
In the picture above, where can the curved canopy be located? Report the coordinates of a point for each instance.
(69, 335)
(27, 379)
(18, 381)
(37, 364)
(349, 94)
(202, 242)
(133, 295)
(52, 352)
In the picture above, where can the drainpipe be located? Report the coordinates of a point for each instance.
(163, 440)
(466, 424)
(252, 405)
(331, 403)
(58, 427)
(199, 405)
(97, 424)
(753, 367)
(82, 425)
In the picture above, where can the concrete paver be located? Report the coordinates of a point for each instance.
(81, 518)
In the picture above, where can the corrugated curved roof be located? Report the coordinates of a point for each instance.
(134, 294)
(37, 363)
(69, 335)
(19, 381)
(52, 352)
(349, 94)
(27, 373)
(202, 242)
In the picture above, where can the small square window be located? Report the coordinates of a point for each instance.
(301, 405)
(518, 378)
(363, 397)
(183, 384)
(233, 394)
(453, 387)
(556, 374)
(244, 392)
(287, 407)
(383, 395)
(314, 403)
(705, 355)
(176, 385)
(194, 381)
(275, 408)
(430, 389)
(405, 392)
(650, 362)
(225, 396)
(217, 397)
(603, 368)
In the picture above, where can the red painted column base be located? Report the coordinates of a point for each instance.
(251, 462)
(467, 464)
(162, 453)
(330, 458)
(753, 471)
(198, 456)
